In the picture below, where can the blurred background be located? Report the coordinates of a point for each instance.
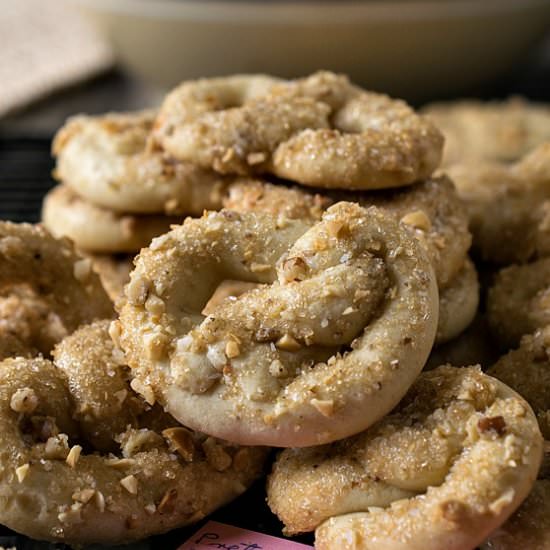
(62, 57)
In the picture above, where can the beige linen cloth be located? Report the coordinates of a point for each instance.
(45, 45)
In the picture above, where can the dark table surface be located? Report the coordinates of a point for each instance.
(25, 175)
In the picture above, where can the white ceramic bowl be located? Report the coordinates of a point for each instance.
(414, 49)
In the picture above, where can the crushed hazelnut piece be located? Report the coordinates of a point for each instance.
(288, 343)
(417, 219)
(454, 511)
(22, 472)
(24, 400)
(83, 496)
(74, 455)
(182, 440)
(100, 501)
(57, 447)
(255, 158)
(137, 290)
(324, 406)
(150, 508)
(495, 424)
(166, 505)
(144, 390)
(232, 349)
(130, 483)
(259, 268)
(121, 396)
(295, 269)
(228, 155)
(115, 331)
(120, 463)
(337, 228)
(155, 345)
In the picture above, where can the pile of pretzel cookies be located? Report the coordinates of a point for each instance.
(263, 263)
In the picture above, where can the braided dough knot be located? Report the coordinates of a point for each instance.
(338, 330)
(319, 131)
(443, 470)
(86, 460)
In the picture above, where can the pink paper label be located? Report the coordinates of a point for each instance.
(218, 536)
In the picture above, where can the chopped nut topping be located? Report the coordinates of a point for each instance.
(166, 505)
(182, 441)
(259, 268)
(337, 228)
(130, 483)
(295, 269)
(144, 390)
(24, 400)
(228, 155)
(255, 158)
(57, 447)
(83, 496)
(71, 516)
(155, 345)
(100, 501)
(121, 396)
(494, 424)
(74, 455)
(288, 343)
(150, 508)
(454, 511)
(324, 406)
(115, 331)
(417, 219)
(232, 349)
(216, 455)
(155, 305)
(22, 472)
(137, 290)
(120, 463)
(82, 269)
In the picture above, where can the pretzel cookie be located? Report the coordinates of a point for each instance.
(86, 460)
(107, 161)
(268, 367)
(494, 131)
(319, 131)
(518, 303)
(508, 206)
(98, 230)
(448, 466)
(46, 290)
